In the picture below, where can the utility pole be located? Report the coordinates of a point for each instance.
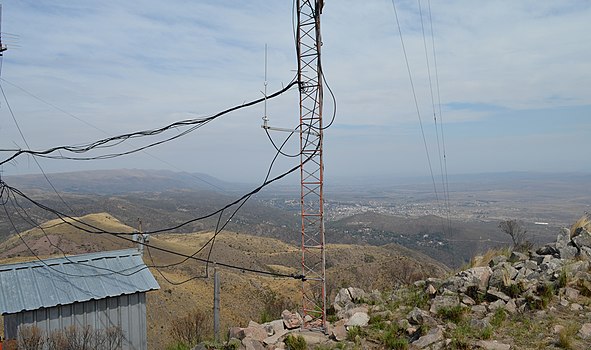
(312, 167)
(216, 304)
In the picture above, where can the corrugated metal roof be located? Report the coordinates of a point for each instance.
(76, 278)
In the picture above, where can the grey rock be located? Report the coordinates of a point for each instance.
(431, 290)
(585, 331)
(568, 252)
(499, 304)
(478, 309)
(476, 276)
(443, 301)
(493, 345)
(360, 319)
(494, 294)
(339, 333)
(517, 256)
(466, 300)
(417, 316)
(252, 344)
(511, 306)
(276, 337)
(502, 275)
(497, 260)
(571, 293)
(350, 312)
(583, 239)
(291, 320)
(430, 339)
(548, 249)
(347, 296)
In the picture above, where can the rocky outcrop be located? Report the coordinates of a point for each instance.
(520, 283)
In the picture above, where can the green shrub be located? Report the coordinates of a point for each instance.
(393, 338)
(498, 318)
(486, 333)
(293, 342)
(452, 313)
(562, 279)
(353, 332)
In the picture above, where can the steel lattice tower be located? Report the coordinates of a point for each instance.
(312, 168)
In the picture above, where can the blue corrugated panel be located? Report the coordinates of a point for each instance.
(77, 278)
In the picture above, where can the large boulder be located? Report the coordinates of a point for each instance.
(443, 301)
(432, 340)
(347, 296)
(502, 275)
(360, 319)
(291, 320)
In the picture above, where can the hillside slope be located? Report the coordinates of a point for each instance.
(184, 287)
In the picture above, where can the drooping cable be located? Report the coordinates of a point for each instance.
(111, 141)
(446, 209)
(440, 117)
(415, 101)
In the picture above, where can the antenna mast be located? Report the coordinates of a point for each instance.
(312, 167)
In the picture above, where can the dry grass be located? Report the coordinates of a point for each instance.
(583, 222)
(486, 257)
(242, 295)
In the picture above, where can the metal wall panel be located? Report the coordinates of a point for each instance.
(125, 311)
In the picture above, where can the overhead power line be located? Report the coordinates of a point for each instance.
(115, 140)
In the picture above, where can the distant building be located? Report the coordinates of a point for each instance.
(103, 292)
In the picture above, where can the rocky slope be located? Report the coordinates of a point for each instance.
(538, 299)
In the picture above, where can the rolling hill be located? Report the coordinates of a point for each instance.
(184, 287)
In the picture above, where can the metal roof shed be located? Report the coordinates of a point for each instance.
(99, 291)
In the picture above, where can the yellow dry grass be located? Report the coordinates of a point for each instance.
(243, 295)
(583, 222)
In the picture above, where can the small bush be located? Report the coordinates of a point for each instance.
(452, 313)
(30, 338)
(498, 318)
(513, 290)
(353, 332)
(486, 333)
(293, 342)
(562, 279)
(190, 329)
(393, 338)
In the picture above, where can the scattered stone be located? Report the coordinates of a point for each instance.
(252, 344)
(291, 320)
(517, 256)
(416, 316)
(499, 304)
(275, 338)
(571, 293)
(585, 331)
(254, 331)
(313, 338)
(431, 290)
(576, 307)
(428, 341)
(466, 300)
(358, 319)
(511, 306)
(497, 260)
(558, 328)
(339, 333)
(493, 345)
(494, 294)
(443, 301)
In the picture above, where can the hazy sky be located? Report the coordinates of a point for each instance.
(514, 78)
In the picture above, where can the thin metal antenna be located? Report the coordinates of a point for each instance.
(265, 118)
(2, 46)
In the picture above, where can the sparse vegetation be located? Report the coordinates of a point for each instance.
(295, 342)
(452, 313)
(71, 338)
(190, 329)
(517, 233)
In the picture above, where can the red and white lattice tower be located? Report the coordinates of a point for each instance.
(312, 169)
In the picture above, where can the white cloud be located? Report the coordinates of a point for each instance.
(127, 66)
